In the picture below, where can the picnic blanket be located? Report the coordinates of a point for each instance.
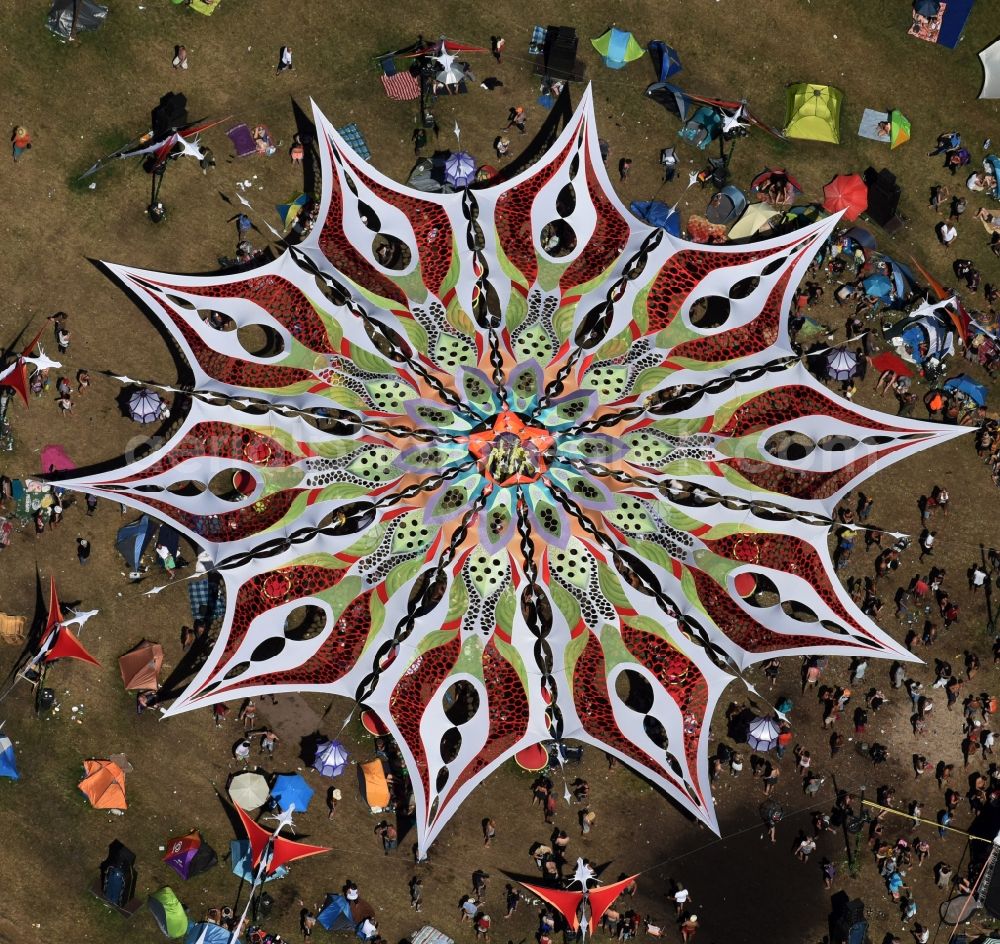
(401, 87)
(204, 594)
(55, 459)
(242, 140)
(356, 140)
(870, 121)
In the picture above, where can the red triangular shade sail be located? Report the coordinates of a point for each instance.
(66, 645)
(568, 903)
(283, 850)
(16, 377)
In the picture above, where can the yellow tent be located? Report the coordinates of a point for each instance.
(813, 112)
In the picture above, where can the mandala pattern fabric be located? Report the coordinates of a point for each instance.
(539, 470)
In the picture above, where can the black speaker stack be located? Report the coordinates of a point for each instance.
(559, 53)
(883, 196)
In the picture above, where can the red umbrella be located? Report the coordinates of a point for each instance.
(846, 192)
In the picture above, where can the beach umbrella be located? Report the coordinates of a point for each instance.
(878, 286)
(331, 758)
(971, 389)
(926, 7)
(762, 733)
(460, 169)
(847, 192)
(242, 862)
(248, 790)
(841, 364)
(899, 128)
(289, 211)
(292, 790)
(144, 406)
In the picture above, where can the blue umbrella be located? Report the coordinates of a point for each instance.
(878, 286)
(974, 391)
(242, 863)
(291, 789)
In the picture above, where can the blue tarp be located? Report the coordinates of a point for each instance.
(133, 539)
(658, 214)
(336, 915)
(878, 286)
(666, 62)
(292, 789)
(975, 391)
(956, 13)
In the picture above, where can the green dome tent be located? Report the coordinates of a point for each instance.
(813, 112)
(168, 912)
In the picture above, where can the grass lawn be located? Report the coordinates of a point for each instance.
(83, 100)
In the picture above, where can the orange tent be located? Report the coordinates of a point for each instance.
(140, 667)
(104, 785)
(373, 785)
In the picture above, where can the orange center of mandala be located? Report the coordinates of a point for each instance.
(511, 453)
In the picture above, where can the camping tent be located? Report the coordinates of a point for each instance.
(899, 129)
(967, 386)
(104, 785)
(140, 667)
(670, 97)
(133, 539)
(665, 59)
(168, 912)
(339, 914)
(116, 885)
(374, 787)
(618, 48)
(207, 933)
(925, 333)
(331, 758)
(990, 58)
(703, 127)
(69, 17)
(190, 855)
(8, 766)
(813, 112)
